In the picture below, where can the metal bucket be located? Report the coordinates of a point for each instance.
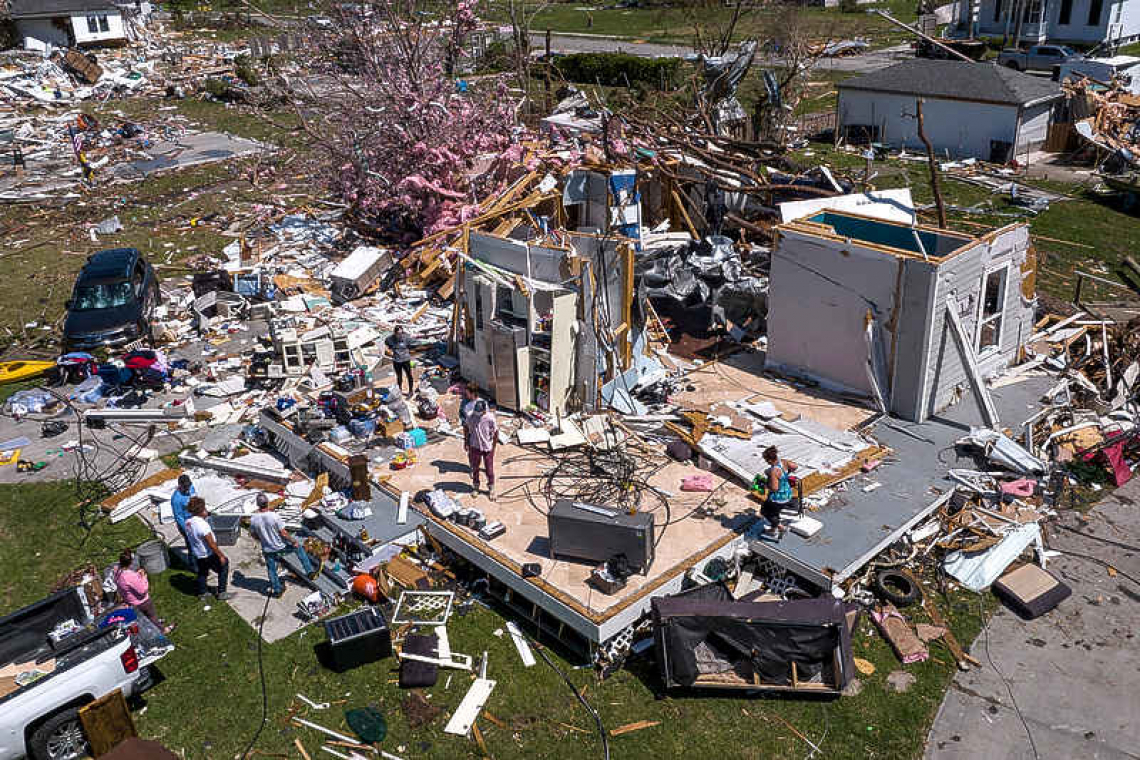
(152, 557)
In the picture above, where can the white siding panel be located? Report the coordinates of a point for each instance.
(1034, 127)
(958, 128)
(820, 293)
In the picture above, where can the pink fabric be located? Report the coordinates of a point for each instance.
(133, 587)
(697, 483)
(1023, 487)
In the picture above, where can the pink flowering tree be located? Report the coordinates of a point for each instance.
(408, 148)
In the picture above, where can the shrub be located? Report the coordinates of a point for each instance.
(619, 69)
(244, 70)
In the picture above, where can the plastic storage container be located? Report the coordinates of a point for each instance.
(226, 528)
(358, 638)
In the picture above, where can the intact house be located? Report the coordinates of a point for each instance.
(908, 316)
(67, 23)
(1069, 21)
(974, 110)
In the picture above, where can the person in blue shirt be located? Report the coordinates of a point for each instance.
(779, 491)
(179, 503)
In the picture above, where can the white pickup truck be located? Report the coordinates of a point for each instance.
(40, 720)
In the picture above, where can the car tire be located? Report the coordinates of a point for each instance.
(897, 588)
(1013, 65)
(60, 737)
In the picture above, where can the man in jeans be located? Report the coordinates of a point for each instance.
(267, 526)
(206, 551)
(401, 349)
(480, 442)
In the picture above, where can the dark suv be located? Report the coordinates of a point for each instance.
(113, 301)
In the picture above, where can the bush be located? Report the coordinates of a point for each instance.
(244, 70)
(619, 70)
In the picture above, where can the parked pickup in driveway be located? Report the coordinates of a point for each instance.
(1038, 57)
(40, 720)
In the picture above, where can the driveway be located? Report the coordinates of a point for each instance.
(1072, 673)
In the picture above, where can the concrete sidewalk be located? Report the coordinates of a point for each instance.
(1072, 672)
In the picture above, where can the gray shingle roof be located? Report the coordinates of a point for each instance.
(982, 82)
(33, 8)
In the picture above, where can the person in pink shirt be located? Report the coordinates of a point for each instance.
(134, 589)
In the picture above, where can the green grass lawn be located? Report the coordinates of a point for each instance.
(160, 215)
(674, 24)
(210, 703)
(1097, 234)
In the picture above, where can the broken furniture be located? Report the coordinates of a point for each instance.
(706, 640)
(300, 349)
(1030, 591)
(359, 273)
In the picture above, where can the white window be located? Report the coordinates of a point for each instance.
(992, 309)
(93, 24)
(103, 25)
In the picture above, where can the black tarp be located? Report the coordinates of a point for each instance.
(692, 633)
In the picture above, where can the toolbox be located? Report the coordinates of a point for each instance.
(358, 638)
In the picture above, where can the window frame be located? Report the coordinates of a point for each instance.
(1094, 18)
(92, 24)
(1065, 13)
(104, 24)
(982, 320)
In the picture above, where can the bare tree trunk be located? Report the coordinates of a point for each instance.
(935, 186)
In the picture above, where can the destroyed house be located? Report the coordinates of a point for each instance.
(546, 316)
(906, 316)
(970, 110)
(67, 23)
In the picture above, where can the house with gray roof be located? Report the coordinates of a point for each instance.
(67, 23)
(976, 110)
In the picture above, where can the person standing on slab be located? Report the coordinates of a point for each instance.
(179, 501)
(481, 441)
(399, 345)
(269, 529)
(207, 553)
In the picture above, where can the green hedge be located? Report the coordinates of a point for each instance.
(613, 69)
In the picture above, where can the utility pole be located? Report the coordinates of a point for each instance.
(935, 187)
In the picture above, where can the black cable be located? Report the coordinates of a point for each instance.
(1004, 680)
(1099, 561)
(264, 690)
(1110, 541)
(589, 708)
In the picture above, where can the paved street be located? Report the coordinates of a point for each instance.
(566, 43)
(1072, 672)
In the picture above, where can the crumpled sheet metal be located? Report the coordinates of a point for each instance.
(977, 571)
(1004, 451)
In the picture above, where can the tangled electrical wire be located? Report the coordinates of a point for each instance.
(103, 464)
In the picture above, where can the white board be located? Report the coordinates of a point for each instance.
(893, 205)
(469, 709)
